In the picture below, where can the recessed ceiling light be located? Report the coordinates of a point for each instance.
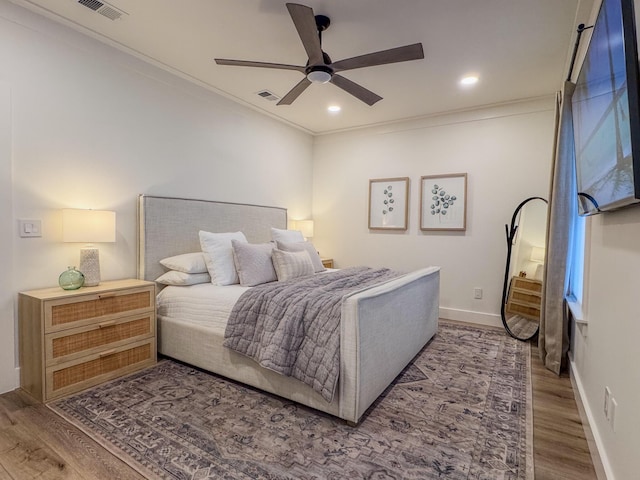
(334, 108)
(469, 80)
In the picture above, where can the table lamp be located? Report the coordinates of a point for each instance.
(306, 227)
(89, 227)
(537, 256)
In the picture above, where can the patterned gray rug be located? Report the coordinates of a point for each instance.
(461, 410)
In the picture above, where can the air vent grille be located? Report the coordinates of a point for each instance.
(103, 8)
(92, 4)
(266, 94)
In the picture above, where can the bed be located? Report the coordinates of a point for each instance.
(381, 327)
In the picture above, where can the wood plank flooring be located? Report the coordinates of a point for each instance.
(560, 448)
(36, 443)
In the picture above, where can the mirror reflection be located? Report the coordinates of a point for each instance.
(526, 248)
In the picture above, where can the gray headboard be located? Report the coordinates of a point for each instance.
(169, 226)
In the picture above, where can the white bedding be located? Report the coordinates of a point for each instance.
(205, 304)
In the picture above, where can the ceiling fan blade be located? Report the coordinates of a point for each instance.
(358, 91)
(244, 63)
(305, 22)
(295, 92)
(393, 55)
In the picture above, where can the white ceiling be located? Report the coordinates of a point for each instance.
(518, 48)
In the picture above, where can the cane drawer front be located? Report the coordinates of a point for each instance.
(524, 283)
(528, 311)
(525, 297)
(67, 345)
(64, 313)
(74, 339)
(93, 369)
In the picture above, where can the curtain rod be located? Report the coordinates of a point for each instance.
(581, 28)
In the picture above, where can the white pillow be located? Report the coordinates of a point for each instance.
(173, 277)
(291, 264)
(186, 262)
(253, 263)
(289, 236)
(218, 255)
(304, 246)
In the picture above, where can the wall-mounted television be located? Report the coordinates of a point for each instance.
(606, 113)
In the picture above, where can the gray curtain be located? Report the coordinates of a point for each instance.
(553, 338)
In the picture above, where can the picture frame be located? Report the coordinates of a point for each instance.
(449, 210)
(389, 203)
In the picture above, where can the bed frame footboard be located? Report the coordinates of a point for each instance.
(382, 329)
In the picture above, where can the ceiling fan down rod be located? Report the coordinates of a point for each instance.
(322, 23)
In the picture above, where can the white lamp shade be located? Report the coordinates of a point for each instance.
(88, 226)
(306, 227)
(537, 254)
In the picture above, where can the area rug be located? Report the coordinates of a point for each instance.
(460, 410)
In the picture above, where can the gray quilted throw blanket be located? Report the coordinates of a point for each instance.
(293, 327)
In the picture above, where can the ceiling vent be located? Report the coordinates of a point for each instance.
(103, 8)
(266, 94)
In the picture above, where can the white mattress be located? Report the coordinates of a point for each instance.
(204, 304)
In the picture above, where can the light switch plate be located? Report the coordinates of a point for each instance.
(30, 228)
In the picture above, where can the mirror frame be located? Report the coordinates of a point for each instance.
(511, 233)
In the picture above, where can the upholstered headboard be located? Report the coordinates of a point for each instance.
(169, 226)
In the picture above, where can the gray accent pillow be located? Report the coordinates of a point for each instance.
(291, 264)
(253, 263)
(306, 247)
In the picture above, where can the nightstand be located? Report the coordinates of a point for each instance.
(327, 262)
(525, 297)
(74, 339)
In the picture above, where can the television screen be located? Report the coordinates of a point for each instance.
(606, 117)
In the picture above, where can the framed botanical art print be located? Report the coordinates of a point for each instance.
(388, 203)
(443, 202)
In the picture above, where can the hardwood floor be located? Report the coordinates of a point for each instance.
(36, 443)
(560, 448)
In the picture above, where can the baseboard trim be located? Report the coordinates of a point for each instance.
(598, 454)
(468, 316)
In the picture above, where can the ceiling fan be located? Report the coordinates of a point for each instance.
(319, 67)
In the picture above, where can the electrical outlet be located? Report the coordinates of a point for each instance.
(613, 405)
(477, 293)
(607, 403)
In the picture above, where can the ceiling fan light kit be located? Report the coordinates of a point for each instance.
(319, 68)
(319, 76)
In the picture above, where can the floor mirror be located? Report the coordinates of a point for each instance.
(523, 277)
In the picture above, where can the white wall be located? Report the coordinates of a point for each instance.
(608, 356)
(8, 376)
(93, 127)
(605, 351)
(506, 152)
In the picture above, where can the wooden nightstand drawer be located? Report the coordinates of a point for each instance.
(527, 311)
(94, 369)
(74, 339)
(63, 313)
(69, 344)
(525, 297)
(327, 262)
(527, 284)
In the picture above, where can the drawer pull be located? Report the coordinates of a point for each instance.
(108, 353)
(107, 324)
(106, 295)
